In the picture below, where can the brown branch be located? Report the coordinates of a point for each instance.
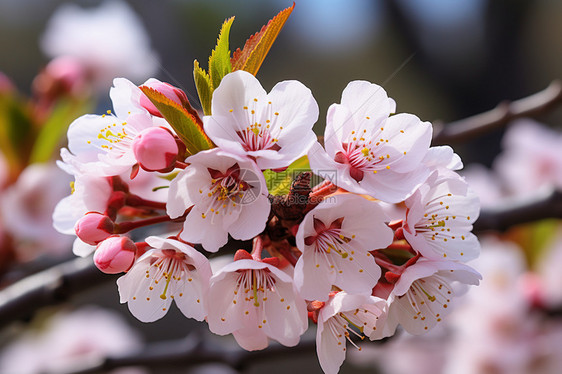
(472, 127)
(56, 285)
(199, 349)
(545, 205)
(194, 351)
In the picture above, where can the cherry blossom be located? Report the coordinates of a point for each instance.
(423, 294)
(275, 129)
(27, 206)
(342, 316)
(127, 98)
(102, 145)
(372, 153)
(170, 270)
(68, 338)
(440, 217)
(255, 301)
(109, 41)
(88, 194)
(442, 157)
(531, 158)
(335, 238)
(228, 195)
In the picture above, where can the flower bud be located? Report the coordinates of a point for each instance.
(155, 149)
(62, 76)
(93, 228)
(115, 254)
(166, 89)
(6, 85)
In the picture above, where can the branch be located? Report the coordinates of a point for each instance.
(193, 351)
(53, 286)
(472, 127)
(547, 204)
(199, 349)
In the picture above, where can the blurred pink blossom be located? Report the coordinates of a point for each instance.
(69, 339)
(110, 41)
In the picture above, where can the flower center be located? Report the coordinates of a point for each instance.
(169, 265)
(363, 154)
(226, 190)
(329, 238)
(260, 135)
(254, 286)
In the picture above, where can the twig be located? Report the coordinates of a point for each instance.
(471, 127)
(547, 204)
(49, 287)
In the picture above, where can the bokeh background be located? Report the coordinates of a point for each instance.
(442, 60)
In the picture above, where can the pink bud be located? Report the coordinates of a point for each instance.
(93, 228)
(68, 72)
(155, 149)
(115, 254)
(6, 84)
(166, 89)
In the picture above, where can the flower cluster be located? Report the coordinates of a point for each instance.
(381, 241)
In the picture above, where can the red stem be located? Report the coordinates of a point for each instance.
(124, 227)
(137, 201)
(319, 193)
(257, 248)
(286, 252)
(388, 265)
(181, 165)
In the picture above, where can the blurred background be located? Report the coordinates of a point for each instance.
(441, 60)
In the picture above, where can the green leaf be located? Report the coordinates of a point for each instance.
(16, 131)
(204, 87)
(219, 62)
(188, 127)
(279, 183)
(258, 45)
(53, 130)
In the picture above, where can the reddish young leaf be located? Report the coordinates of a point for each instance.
(258, 45)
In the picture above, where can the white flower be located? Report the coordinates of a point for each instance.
(109, 40)
(335, 238)
(275, 129)
(27, 206)
(440, 216)
(371, 152)
(422, 296)
(343, 314)
(171, 270)
(89, 194)
(255, 301)
(531, 158)
(442, 157)
(102, 145)
(228, 195)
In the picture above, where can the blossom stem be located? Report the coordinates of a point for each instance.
(124, 227)
(383, 263)
(181, 165)
(396, 224)
(401, 247)
(319, 192)
(137, 201)
(257, 248)
(286, 252)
